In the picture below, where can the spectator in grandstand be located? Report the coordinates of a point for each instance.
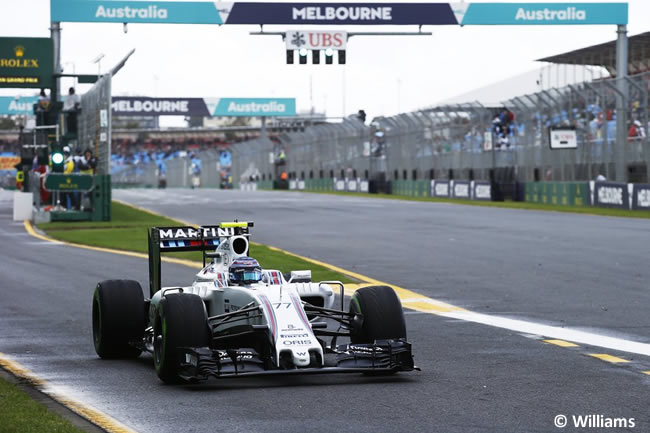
(636, 131)
(71, 105)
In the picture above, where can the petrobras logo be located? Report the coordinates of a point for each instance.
(253, 107)
(342, 13)
(145, 13)
(546, 14)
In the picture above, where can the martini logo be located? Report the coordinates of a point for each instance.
(150, 12)
(546, 14)
(253, 107)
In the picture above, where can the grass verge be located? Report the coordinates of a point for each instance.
(128, 231)
(587, 210)
(19, 413)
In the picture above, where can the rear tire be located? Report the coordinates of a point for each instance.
(383, 318)
(118, 318)
(181, 321)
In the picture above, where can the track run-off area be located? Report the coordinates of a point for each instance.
(535, 315)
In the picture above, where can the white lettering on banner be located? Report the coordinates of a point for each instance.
(461, 190)
(643, 198)
(150, 12)
(152, 105)
(482, 191)
(20, 106)
(546, 14)
(610, 195)
(353, 13)
(442, 189)
(253, 107)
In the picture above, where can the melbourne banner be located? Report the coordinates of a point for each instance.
(203, 12)
(241, 107)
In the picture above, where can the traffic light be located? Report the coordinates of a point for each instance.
(302, 54)
(289, 57)
(341, 57)
(57, 158)
(315, 57)
(329, 56)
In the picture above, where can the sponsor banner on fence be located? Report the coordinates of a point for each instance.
(481, 190)
(9, 162)
(611, 194)
(440, 188)
(339, 185)
(16, 105)
(461, 189)
(641, 196)
(352, 185)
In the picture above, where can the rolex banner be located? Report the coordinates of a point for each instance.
(203, 107)
(26, 62)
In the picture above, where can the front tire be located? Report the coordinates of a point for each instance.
(383, 318)
(118, 318)
(181, 321)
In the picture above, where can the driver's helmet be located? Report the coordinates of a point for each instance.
(245, 270)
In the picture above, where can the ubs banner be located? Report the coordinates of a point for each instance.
(26, 62)
(203, 107)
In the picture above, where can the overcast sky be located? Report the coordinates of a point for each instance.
(383, 75)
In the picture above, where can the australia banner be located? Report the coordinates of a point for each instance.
(341, 13)
(203, 107)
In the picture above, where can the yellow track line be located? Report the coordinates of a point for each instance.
(609, 358)
(561, 343)
(93, 415)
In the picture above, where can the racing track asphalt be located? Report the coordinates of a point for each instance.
(574, 270)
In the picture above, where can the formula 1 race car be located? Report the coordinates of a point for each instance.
(237, 319)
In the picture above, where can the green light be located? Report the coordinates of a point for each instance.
(57, 158)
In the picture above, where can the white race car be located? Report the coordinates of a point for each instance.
(237, 319)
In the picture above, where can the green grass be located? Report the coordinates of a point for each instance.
(21, 414)
(128, 231)
(588, 210)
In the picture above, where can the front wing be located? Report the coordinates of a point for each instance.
(384, 356)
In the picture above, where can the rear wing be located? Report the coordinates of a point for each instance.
(186, 238)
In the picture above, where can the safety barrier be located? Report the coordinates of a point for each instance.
(558, 193)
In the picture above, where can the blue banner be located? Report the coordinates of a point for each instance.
(246, 107)
(204, 12)
(541, 13)
(15, 105)
(109, 11)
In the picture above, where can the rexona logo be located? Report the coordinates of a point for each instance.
(149, 12)
(546, 14)
(343, 13)
(254, 107)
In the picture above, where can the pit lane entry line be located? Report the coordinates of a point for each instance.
(415, 301)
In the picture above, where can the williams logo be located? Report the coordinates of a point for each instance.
(19, 61)
(546, 14)
(144, 13)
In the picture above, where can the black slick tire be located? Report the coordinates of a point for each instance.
(181, 321)
(383, 318)
(118, 318)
